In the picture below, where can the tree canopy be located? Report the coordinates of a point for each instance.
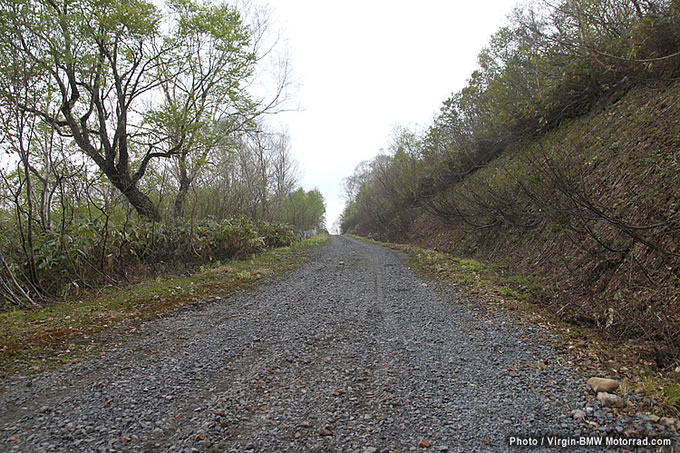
(553, 61)
(129, 82)
(132, 141)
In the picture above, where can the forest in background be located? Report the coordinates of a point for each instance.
(134, 142)
(558, 159)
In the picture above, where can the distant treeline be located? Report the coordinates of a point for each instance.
(560, 158)
(131, 143)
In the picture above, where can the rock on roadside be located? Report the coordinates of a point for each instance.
(610, 400)
(603, 384)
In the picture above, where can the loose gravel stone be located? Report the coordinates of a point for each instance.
(578, 414)
(610, 400)
(352, 343)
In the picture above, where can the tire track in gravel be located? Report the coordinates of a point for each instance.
(352, 352)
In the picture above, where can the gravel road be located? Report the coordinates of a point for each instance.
(352, 352)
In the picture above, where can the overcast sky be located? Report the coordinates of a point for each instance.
(364, 66)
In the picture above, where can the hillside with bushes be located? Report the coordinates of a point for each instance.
(558, 160)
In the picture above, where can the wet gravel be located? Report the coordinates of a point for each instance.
(352, 352)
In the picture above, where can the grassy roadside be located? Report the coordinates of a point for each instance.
(593, 353)
(36, 340)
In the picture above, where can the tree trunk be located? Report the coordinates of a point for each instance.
(180, 200)
(142, 204)
(28, 247)
(138, 199)
(184, 185)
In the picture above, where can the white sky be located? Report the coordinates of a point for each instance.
(364, 66)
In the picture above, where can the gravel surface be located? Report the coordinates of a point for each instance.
(352, 352)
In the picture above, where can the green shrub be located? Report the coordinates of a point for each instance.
(92, 251)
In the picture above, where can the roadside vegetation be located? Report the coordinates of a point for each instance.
(132, 146)
(39, 339)
(559, 161)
